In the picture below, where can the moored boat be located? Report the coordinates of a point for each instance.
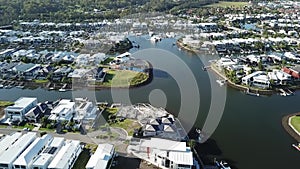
(222, 165)
(296, 146)
(221, 82)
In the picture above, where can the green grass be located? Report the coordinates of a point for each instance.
(46, 129)
(128, 125)
(6, 103)
(123, 78)
(106, 61)
(112, 110)
(226, 4)
(41, 81)
(3, 126)
(295, 122)
(30, 126)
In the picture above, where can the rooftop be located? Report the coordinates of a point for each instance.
(32, 151)
(8, 141)
(185, 158)
(64, 155)
(164, 144)
(101, 157)
(22, 102)
(18, 147)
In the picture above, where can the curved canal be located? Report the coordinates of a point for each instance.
(249, 134)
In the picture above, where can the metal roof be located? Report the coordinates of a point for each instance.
(17, 148)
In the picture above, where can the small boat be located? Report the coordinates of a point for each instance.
(8, 87)
(221, 82)
(296, 146)
(51, 88)
(222, 165)
(248, 92)
(200, 135)
(20, 86)
(1, 86)
(62, 90)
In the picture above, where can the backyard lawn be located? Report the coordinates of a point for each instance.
(5, 103)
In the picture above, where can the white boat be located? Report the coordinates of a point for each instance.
(222, 165)
(1, 86)
(62, 90)
(251, 93)
(296, 146)
(8, 87)
(221, 82)
(20, 87)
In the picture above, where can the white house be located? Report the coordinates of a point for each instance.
(26, 159)
(100, 159)
(65, 110)
(258, 79)
(8, 140)
(85, 109)
(279, 77)
(66, 156)
(224, 62)
(43, 160)
(166, 154)
(15, 150)
(18, 111)
(121, 58)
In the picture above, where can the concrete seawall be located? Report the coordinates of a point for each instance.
(287, 126)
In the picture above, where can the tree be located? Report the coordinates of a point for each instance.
(260, 65)
(44, 121)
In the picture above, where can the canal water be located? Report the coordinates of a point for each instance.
(249, 134)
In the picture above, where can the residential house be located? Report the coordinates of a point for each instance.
(66, 156)
(18, 111)
(166, 154)
(27, 70)
(59, 73)
(36, 113)
(44, 158)
(258, 79)
(26, 159)
(121, 58)
(293, 71)
(279, 77)
(64, 111)
(96, 75)
(101, 158)
(15, 150)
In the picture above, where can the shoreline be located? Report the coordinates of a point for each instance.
(34, 85)
(285, 121)
(218, 73)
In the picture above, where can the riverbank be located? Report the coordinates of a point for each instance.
(240, 87)
(3, 105)
(287, 126)
(221, 75)
(70, 86)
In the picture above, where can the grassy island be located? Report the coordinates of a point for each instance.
(295, 122)
(226, 4)
(123, 78)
